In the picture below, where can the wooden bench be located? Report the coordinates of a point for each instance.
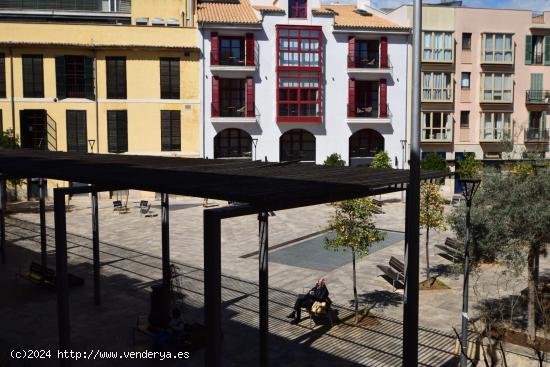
(46, 277)
(378, 203)
(453, 249)
(395, 271)
(314, 317)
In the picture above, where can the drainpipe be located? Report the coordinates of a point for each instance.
(12, 96)
(203, 105)
(96, 103)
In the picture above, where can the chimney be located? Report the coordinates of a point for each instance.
(363, 4)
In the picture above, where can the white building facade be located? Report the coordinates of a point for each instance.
(301, 81)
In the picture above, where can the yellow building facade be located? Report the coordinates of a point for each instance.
(119, 78)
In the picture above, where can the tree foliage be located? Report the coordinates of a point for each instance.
(334, 159)
(381, 160)
(8, 140)
(469, 166)
(434, 162)
(432, 206)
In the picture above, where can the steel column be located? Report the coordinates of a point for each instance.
(95, 249)
(3, 218)
(264, 288)
(61, 274)
(410, 298)
(165, 241)
(465, 294)
(212, 288)
(43, 239)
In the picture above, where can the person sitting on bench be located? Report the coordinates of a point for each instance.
(318, 293)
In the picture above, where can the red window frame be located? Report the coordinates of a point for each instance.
(297, 9)
(232, 49)
(300, 35)
(232, 91)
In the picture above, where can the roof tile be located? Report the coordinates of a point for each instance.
(237, 12)
(346, 16)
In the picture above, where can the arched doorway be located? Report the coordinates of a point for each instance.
(363, 146)
(297, 145)
(233, 143)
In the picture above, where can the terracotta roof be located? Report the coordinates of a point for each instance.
(345, 16)
(237, 12)
(269, 9)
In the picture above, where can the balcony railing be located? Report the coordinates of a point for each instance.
(368, 62)
(495, 135)
(368, 112)
(120, 6)
(218, 111)
(537, 97)
(536, 135)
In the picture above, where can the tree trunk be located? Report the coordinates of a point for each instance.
(355, 290)
(428, 256)
(532, 277)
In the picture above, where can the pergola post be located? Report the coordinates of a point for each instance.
(61, 274)
(43, 239)
(3, 218)
(165, 242)
(212, 288)
(263, 288)
(95, 249)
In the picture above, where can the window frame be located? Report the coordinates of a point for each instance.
(226, 87)
(446, 129)
(77, 146)
(465, 125)
(172, 83)
(297, 9)
(494, 50)
(296, 136)
(242, 50)
(173, 118)
(534, 60)
(469, 86)
(2, 75)
(432, 47)
(494, 136)
(121, 125)
(503, 90)
(226, 136)
(33, 79)
(444, 90)
(75, 76)
(466, 41)
(299, 72)
(116, 89)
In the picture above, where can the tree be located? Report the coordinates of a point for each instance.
(353, 224)
(8, 140)
(381, 160)
(434, 162)
(431, 216)
(334, 159)
(469, 166)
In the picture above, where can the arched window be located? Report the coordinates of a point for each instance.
(233, 143)
(364, 144)
(297, 145)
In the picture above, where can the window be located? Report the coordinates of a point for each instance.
(297, 145)
(232, 97)
(497, 87)
(464, 119)
(75, 77)
(437, 126)
(232, 51)
(233, 143)
(77, 134)
(437, 86)
(465, 80)
(170, 130)
(1, 122)
(169, 78)
(116, 77)
(117, 126)
(365, 144)
(496, 126)
(367, 54)
(297, 8)
(2, 76)
(466, 41)
(33, 76)
(538, 49)
(299, 74)
(438, 47)
(498, 48)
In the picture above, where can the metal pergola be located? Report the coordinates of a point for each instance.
(261, 187)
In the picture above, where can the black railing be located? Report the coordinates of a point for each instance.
(537, 135)
(537, 96)
(367, 62)
(371, 111)
(220, 110)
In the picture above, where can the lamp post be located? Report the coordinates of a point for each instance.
(469, 188)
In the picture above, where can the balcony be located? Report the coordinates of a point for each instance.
(536, 135)
(229, 64)
(232, 114)
(495, 135)
(363, 68)
(537, 97)
(368, 115)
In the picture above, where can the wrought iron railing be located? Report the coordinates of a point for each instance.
(217, 110)
(368, 62)
(367, 111)
(537, 96)
(537, 135)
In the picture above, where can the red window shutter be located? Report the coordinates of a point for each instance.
(351, 98)
(215, 96)
(249, 49)
(351, 52)
(214, 49)
(249, 96)
(383, 98)
(384, 52)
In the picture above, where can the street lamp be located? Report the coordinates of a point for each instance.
(469, 187)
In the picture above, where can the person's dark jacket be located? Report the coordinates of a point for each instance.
(320, 293)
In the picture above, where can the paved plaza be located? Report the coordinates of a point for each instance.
(130, 257)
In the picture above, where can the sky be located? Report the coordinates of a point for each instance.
(536, 5)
